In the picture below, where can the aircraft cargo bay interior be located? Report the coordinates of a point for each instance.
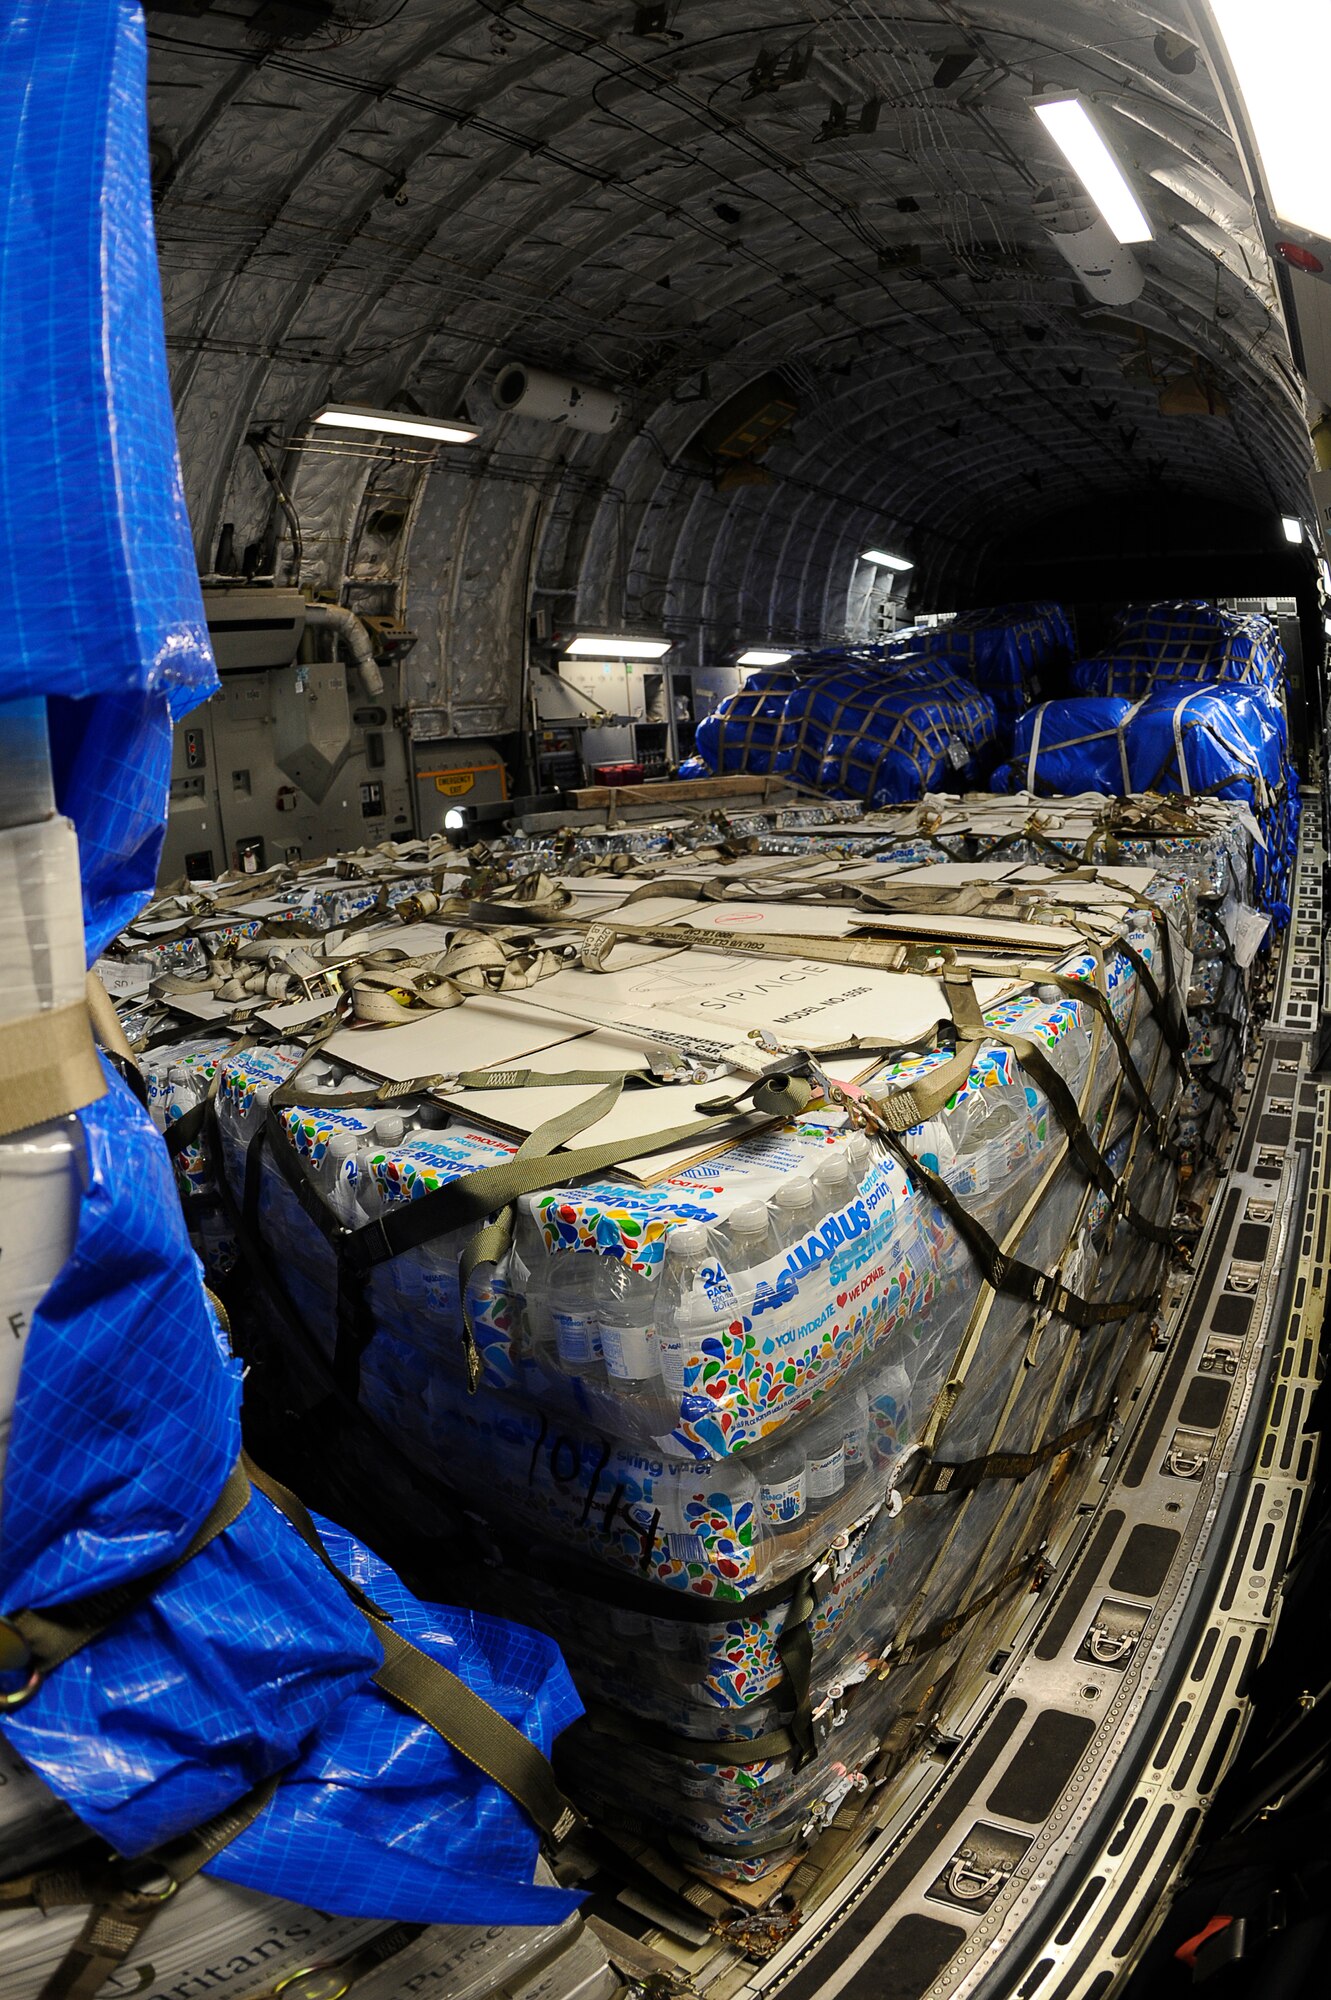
(665, 1089)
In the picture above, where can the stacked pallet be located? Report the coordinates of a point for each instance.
(749, 1244)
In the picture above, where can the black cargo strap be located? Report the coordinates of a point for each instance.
(127, 1896)
(191, 1125)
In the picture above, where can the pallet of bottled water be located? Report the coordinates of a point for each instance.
(701, 1398)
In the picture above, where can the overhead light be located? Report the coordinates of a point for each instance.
(1280, 53)
(616, 646)
(757, 656)
(1083, 145)
(885, 561)
(454, 818)
(358, 417)
(1293, 527)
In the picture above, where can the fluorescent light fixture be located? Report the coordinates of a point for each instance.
(615, 646)
(1082, 144)
(357, 417)
(1293, 527)
(885, 561)
(757, 656)
(1280, 53)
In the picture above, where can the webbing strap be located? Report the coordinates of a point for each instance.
(1089, 1157)
(943, 1629)
(932, 1475)
(1007, 1273)
(472, 1197)
(121, 1913)
(48, 1066)
(36, 1642)
(453, 1710)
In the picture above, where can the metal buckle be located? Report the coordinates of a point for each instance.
(1107, 1647)
(970, 1883)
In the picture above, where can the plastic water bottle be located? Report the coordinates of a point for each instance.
(341, 1176)
(834, 1180)
(749, 1240)
(796, 1210)
(825, 1461)
(562, 1309)
(685, 1312)
(626, 1329)
(856, 1419)
(783, 1496)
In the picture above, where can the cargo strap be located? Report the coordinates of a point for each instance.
(445, 1703)
(1008, 1273)
(943, 1629)
(487, 1196)
(36, 1642)
(48, 1067)
(126, 1897)
(920, 1475)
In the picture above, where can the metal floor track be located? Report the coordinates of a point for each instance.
(1032, 1854)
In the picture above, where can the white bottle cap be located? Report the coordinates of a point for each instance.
(687, 1239)
(796, 1193)
(389, 1128)
(750, 1219)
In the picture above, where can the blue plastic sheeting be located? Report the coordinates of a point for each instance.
(100, 587)
(1228, 742)
(743, 732)
(881, 724)
(111, 759)
(1187, 643)
(887, 733)
(250, 1659)
(1063, 747)
(1008, 651)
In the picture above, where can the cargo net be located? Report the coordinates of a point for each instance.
(1188, 704)
(1187, 642)
(770, 1440)
(886, 723)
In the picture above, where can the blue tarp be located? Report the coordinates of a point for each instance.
(249, 1659)
(1063, 747)
(1187, 643)
(882, 724)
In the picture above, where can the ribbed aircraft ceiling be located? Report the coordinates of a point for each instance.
(384, 199)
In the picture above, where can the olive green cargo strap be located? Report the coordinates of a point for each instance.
(485, 1194)
(446, 1704)
(126, 1897)
(36, 1642)
(923, 1475)
(1098, 1001)
(1007, 1273)
(943, 1629)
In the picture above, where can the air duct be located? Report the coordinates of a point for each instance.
(520, 391)
(336, 618)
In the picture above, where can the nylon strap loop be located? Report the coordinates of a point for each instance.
(39, 1641)
(48, 1067)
